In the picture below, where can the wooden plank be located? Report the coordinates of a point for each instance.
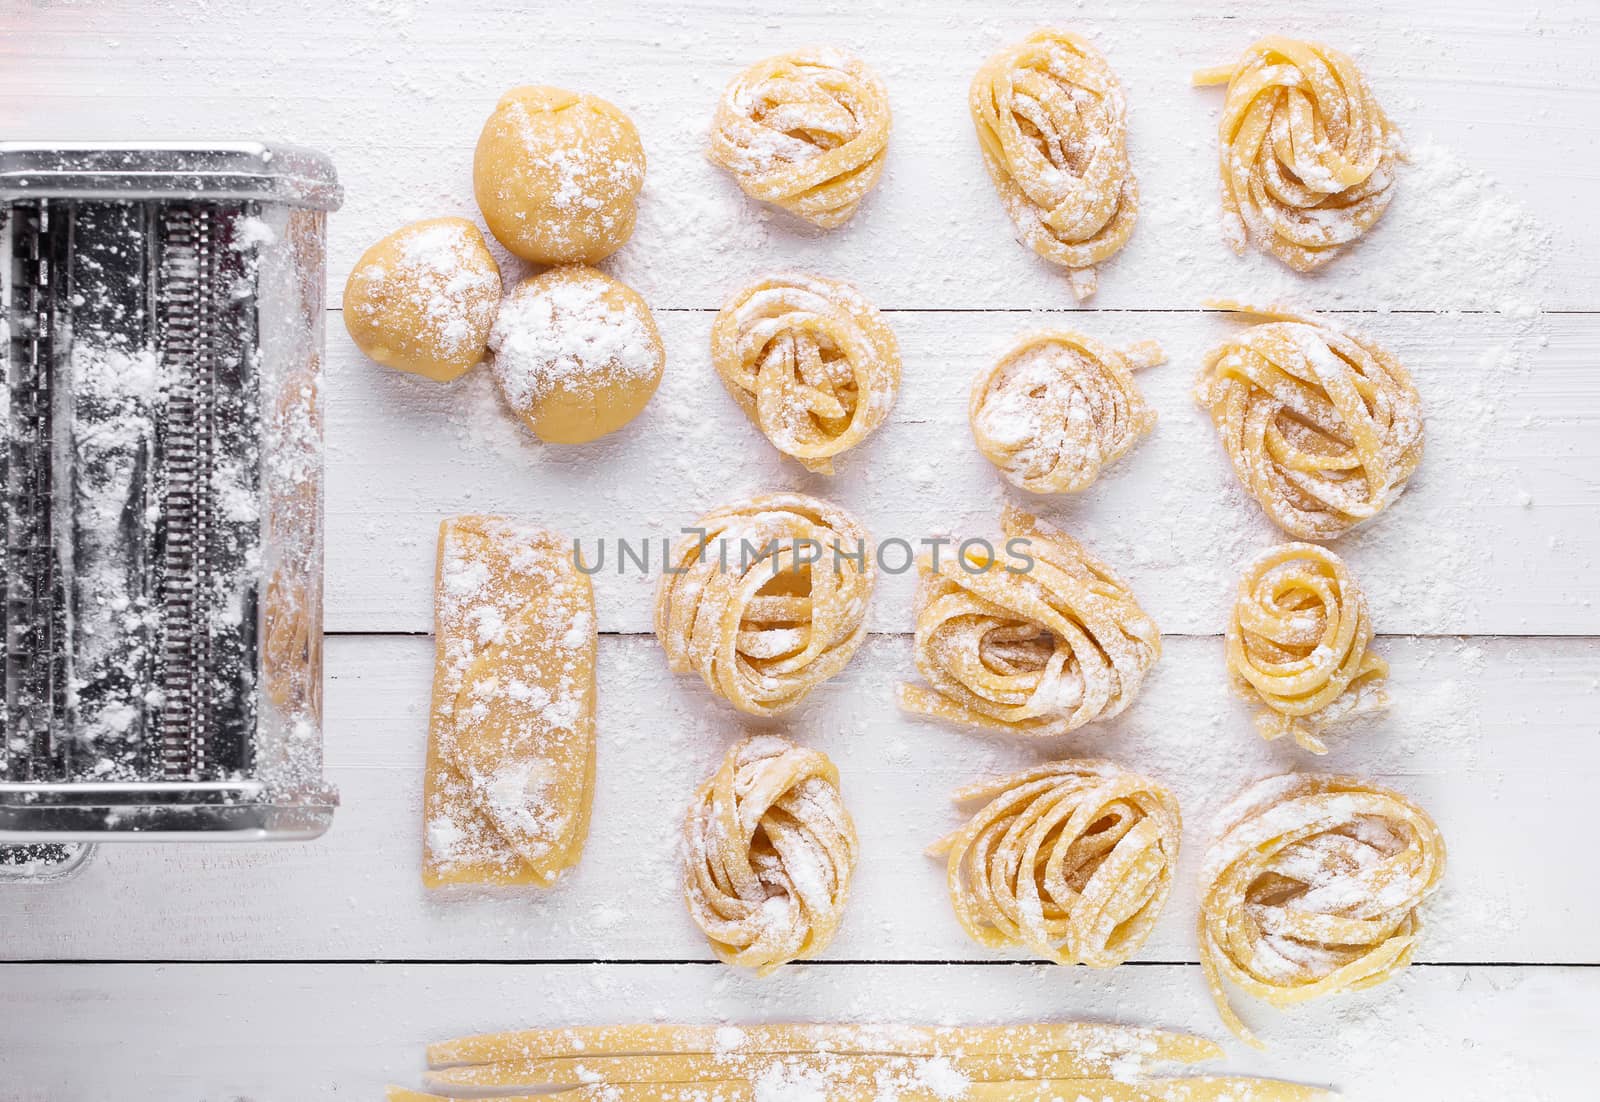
(397, 93)
(1494, 737)
(310, 1032)
(1498, 533)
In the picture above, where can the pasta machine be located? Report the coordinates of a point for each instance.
(161, 333)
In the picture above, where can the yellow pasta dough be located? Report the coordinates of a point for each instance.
(1323, 426)
(557, 174)
(1038, 641)
(576, 354)
(1071, 859)
(805, 131)
(1052, 124)
(1298, 644)
(769, 850)
(1031, 1062)
(766, 599)
(838, 1079)
(1058, 407)
(510, 770)
(1308, 156)
(423, 299)
(1312, 888)
(810, 361)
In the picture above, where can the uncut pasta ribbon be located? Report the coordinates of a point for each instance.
(850, 1063)
(769, 851)
(1059, 407)
(927, 1081)
(1052, 124)
(805, 131)
(1072, 859)
(1307, 155)
(1323, 427)
(1037, 650)
(1298, 644)
(1313, 889)
(769, 603)
(810, 361)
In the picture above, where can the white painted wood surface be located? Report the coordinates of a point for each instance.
(397, 90)
(1475, 726)
(1496, 534)
(1487, 566)
(306, 1032)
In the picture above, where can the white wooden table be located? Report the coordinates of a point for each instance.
(319, 970)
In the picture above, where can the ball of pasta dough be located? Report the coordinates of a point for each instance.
(556, 175)
(576, 354)
(424, 298)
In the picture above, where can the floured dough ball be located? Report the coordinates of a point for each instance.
(556, 175)
(424, 298)
(576, 354)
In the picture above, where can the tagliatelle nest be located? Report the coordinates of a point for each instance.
(804, 131)
(1307, 155)
(810, 361)
(769, 852)
(1040, 647)
(1052, 124)
(1072, 859)
(769, 602)
(1323, 427)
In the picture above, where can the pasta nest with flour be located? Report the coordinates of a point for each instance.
(769, 852)
(1323, 427)
(1312, 889)
(1307, 155)
(1038, 648)
(766, 599)
(1298, 643)
(810, 361)
(805, 131)
(1058, 407)
(1052, 124)
(1072, 859)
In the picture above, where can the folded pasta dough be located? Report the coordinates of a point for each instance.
(510, 770)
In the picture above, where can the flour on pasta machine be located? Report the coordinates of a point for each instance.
(161, 328)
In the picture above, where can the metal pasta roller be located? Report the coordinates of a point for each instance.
(161, 473)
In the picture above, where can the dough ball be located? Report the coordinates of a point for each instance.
(556, 175)
(424, 298)
(576, 354)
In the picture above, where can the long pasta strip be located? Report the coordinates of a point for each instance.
(1037, 1062)
(1205, 1088)
(887, 1040)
